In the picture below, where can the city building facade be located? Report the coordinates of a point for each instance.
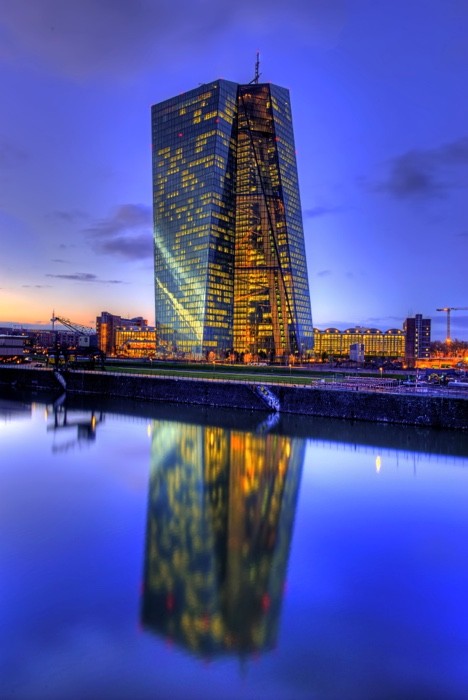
(418, 338)
(134, 341)
(114, 334)
(357, 352)
(335, 343)
(230, 265)
(12, 345)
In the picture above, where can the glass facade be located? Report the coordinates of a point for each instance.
(377, 343)
(230, 268)
(135, 342)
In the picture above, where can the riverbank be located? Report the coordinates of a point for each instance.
(317, 400)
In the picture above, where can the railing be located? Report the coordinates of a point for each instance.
(367, 384)
(360, 384)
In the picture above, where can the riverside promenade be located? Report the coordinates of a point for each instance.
(367, 400)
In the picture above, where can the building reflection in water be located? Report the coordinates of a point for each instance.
(220, 519)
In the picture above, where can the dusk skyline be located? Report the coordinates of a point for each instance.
(379, 113)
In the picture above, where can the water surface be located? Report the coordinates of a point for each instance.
(159, 552)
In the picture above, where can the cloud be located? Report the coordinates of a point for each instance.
(59, 260)
(324, 273)
(84, 38)
(463, 234)
(36, 286)
(321, 211)
(382, 320)
(134, 247)
(412, 174)
(124, 217)
(383, 323)
(426, 173)
(84, 277)
(127, 232)
(68, 217)
(353, 274)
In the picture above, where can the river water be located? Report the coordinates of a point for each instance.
(164, 552)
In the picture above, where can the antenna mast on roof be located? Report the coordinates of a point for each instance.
(257, 69)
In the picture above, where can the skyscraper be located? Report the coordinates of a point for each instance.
(230, 266)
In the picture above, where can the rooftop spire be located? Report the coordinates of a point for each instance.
(257, 69)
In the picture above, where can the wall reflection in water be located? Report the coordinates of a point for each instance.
(219, 525)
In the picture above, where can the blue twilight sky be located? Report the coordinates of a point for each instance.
(380, 109)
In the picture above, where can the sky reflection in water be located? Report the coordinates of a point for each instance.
(144, 557)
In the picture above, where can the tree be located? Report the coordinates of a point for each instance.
(456, 348)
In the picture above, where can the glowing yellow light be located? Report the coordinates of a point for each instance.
(378, 464)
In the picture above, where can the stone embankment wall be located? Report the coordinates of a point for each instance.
(406, 409)
(28, 378)
(409, 409)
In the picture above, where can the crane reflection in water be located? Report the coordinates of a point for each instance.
(219, 524)
(85, 423)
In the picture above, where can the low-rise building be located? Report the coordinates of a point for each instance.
(125, 337)
(377, 343)
(357, 352)
(12, 345)
(135, 341)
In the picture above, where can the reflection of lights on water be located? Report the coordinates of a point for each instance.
(46, 413)
(149, 430)
(378, 463)
(93, 422)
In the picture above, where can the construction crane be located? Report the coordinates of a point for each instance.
(447, 310)
(84, 332)
(86, 427)
(90, 354)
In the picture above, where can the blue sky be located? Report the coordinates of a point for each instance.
(380, 109)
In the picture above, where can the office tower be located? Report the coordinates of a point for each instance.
(418, 338)
(230, 267)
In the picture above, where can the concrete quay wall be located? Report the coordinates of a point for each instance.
(165, 389)
(406, 409)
